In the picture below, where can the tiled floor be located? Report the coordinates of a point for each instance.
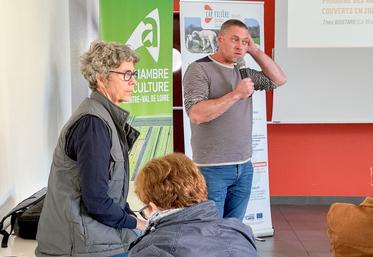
(300, 231)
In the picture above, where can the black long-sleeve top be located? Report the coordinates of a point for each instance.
(89, 144)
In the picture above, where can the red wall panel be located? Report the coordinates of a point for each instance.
(320, 159)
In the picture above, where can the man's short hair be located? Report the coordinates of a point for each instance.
(230, 23)
(172, 181)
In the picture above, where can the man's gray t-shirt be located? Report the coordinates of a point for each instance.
(226, 139)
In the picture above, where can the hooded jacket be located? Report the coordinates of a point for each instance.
(195, 231)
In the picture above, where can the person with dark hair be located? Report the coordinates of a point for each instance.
(350, 229)
(219, 105)
(181, 221)
(85, 212)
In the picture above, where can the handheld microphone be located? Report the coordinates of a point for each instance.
(241, 65)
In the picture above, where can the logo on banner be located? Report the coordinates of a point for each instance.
(259, 215)
(211, 14)
(147, 34)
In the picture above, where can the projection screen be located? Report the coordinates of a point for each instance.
(325, 49)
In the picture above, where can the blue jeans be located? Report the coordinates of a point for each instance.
(229, 186)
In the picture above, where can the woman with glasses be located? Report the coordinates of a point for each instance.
(86, 212)
(181, 221)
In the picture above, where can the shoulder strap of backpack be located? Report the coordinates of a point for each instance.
(4, 242)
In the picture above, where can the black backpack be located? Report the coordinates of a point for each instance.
(24, 218)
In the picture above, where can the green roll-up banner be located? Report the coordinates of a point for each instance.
(147, 27)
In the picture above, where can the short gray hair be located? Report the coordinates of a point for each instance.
(103, 57)
(232, 22)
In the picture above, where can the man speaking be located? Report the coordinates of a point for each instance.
(219, 105)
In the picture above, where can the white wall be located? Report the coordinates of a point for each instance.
(40, 84)
(35, 91)
(83, 30)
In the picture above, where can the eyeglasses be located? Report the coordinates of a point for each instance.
(142, 212)
(127, 75)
